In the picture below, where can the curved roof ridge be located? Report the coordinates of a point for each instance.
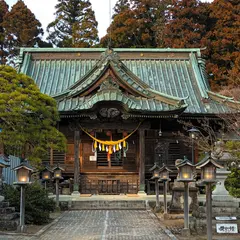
(168, 98)
(229, 101)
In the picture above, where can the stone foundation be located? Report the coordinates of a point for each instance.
(9, 219)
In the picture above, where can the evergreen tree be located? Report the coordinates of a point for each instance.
(135, 23)
(223, 43)
(187, 22)
(3, 50)
(22, 28)
(120, 6)
(27, 117)
(74, 26)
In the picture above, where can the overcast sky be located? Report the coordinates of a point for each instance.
(44, 10)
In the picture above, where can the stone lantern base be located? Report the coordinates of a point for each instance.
(176, 205)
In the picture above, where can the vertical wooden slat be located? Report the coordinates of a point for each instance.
(142, 159)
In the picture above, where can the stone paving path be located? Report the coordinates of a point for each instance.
(102, 225)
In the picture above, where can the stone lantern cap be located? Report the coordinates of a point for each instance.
(155, 167)
(208, 160)
(47, 168)
(25, 165)
(57, 168)
(183, 162)
(4, 161)
(164, 167)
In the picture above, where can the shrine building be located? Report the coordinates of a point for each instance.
(120, 110)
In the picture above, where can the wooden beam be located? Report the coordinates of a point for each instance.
(115, 125)
(142, 159)
(76, 160)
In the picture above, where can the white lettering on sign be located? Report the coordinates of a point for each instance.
(225, 218)
(226, 228)
(92, 158)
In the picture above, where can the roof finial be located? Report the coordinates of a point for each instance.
(110, 31)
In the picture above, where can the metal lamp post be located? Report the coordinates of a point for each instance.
(208, 177)
(46, 175)
(23, 172)
(155, 176)
(185, 175)
(57, 174)
(193, 133)
(164, 177)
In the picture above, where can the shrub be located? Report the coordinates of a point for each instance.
(232, 182)
(37, 206)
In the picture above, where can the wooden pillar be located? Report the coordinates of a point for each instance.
(141, 161)
(76, 162)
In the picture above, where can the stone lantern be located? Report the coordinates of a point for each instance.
(185, 171)
(186, 175)
(208, 176)
(23, 172)
(57, 174)
(155, 176)
(46, 175)
(164, 177)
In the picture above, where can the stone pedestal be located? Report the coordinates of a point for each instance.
(220, 193)
(219, 209)
(177, 202)
(141, 191)
(76, 190)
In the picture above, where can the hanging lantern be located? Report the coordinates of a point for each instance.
(125, 133)
(109, 133)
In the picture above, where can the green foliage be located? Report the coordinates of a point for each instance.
(27, 117)
(223, 43)
(187, 22)
(234, 148)
(21, 27)
(135, 24)
(38, 205)
(232, 182)
(74, 26)
(3, 51)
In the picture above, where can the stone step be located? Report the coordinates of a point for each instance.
(78, 205)
(8, 225)
(222, 210)
(7, 210)
(226, 204)
(214, 214)
(9, 216)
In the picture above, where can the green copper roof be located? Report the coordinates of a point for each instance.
(174, 74)
(129, 102)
